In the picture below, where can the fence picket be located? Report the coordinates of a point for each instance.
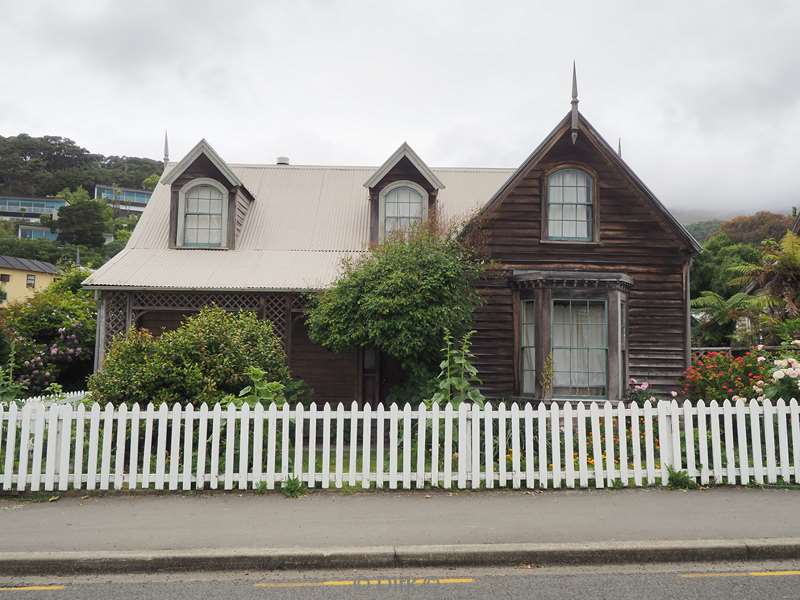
(216, 436)
(597, 439)
(716, 448)
(66, 441)
(741, 431)
(407, 446)
(352, 468)
(447, 451)
(11, 446)
(783, 439)
(622, 436)
(502, 465)
(608, 427)
(769, 439)
(650, 459)
(636, 445)
(702, 441)
(311, 476)
(119, 454)
(475, 461)
(91, 467)
(583, 467)
(393, 446)
(29, 413)
(488, 446)
(188, 439)
(285, 416)
(422, 426)
(339, 444)
(730, 457)
(365, 444)
(148, 445)
(379, 440)
(569, 450)
(688, 428)
(272, 423)
(105, 459)
(298, 441)
(202, 443)
(326, 445)
(463, 450)
(2, 411)
(435, 445)
(161, 447)
(244, 445)
(175, 447)
(541, 422)
(515, 462)
(755, 433)
(530, 452)
(133, 463)
(230, 440)
(795, 420)
(38, 443)
(555, 444)
(80, 417)
(675, 431)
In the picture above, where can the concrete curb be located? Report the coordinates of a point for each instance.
(271, 559)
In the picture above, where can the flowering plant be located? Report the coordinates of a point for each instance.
(638, 392)
(718, 375)
(784, 376)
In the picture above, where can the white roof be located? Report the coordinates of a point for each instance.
(303, 222)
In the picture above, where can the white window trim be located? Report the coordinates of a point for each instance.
(182, 209)
(382, 202)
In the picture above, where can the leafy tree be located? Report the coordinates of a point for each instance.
(82, 223)
(720, 316)
(711, 269)
(754, 229)
(704, 229)
(401, 299)
(151, 182)
(79, 195)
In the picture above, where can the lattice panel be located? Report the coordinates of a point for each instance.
(195, 300)
(116, 308)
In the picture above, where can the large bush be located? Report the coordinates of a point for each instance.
(401, 298)
(207, 357)
(718, 375)
(53, 334)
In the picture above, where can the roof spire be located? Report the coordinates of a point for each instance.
(574, 126)
(166, 148)
(619, 147)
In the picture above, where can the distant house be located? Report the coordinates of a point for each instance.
(124, 199)
(590, 271)
(28, 208)
(21, 277)
(35, 232)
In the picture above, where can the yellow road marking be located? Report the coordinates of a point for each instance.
(33, 588)
(367, 582)
(743, 574)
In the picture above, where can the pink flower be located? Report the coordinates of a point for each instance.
(633, 381)
(674, 394)
(644, 385)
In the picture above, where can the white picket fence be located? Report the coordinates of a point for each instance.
(62, 447)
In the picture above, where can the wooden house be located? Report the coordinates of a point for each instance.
(590, 285)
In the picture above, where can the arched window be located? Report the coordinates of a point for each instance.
(570, 205)
(202, 217)
(403, 206)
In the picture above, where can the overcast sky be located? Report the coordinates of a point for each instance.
(705, 95)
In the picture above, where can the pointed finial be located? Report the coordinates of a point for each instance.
(619, 147)
(574, 125)
(166, 148)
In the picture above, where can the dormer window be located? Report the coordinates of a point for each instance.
(403, 206)
(202, 214)
(570, 206)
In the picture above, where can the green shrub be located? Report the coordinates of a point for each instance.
(54, 334)
(294, 488)
(680, 480)
(206, 358)
(718, 375)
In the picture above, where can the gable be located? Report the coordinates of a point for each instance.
(614, 176)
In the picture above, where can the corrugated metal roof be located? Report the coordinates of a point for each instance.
(27, 264)
(303, 222)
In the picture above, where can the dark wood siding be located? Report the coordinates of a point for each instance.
(158, 321)
(634, 238)
(333, 377)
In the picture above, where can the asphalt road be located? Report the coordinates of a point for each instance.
(654, 582)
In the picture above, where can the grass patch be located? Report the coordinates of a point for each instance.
(680, 480)
(294, 488)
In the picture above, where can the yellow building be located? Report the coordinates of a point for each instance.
(21, 277)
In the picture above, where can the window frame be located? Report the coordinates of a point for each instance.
(529, 347)
(182, 193)
(30, 280)
(595, 206)
(382, 203)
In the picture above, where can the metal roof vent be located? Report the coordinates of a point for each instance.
(282, 160)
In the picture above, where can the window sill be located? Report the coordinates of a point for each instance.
(572, 242)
